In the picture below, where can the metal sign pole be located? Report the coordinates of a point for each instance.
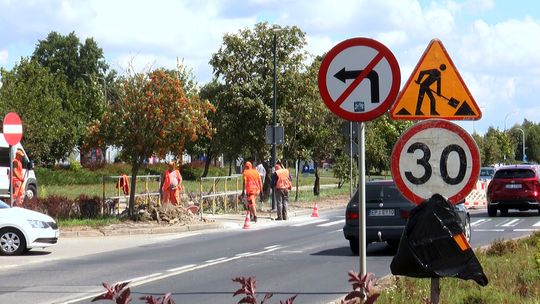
(362, 198)
(351, 158)
(11, 175)
(435, 290)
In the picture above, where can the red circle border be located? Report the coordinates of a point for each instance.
(394, 89)
(427, 124)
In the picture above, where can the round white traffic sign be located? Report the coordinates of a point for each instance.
(435, 156)
(359, 79)
(12, 128)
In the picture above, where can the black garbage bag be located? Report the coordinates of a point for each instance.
(433, 245)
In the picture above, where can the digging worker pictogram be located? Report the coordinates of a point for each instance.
(433, 75)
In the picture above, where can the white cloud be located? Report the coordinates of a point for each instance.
(4, 54)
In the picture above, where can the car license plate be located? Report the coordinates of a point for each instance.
(382, 212)
(513, 186)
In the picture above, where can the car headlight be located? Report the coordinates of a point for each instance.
(38, 224)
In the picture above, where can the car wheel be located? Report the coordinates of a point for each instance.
(492, 211)
(467, 229)
(355, 246)
(30, 192)
(12, 241)
(504, 212)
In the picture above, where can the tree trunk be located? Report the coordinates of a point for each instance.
(207, 164)
(316, 186)
(230, 167)
(134, 170)
(297, 188)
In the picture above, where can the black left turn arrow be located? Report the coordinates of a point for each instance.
(373, 77)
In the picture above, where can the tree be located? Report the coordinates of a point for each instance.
(152, 115)
(244, 65)
(83, 68)
(381, 135)
(32, 90)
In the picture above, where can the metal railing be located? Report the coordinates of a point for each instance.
(145, 193)
(226, 188)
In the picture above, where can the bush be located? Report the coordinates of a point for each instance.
(502, 247)
(89, 207)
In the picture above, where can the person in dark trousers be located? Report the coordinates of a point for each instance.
(433, 76)
(282, 183)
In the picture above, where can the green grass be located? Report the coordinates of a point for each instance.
(512, 268)
(88, 222)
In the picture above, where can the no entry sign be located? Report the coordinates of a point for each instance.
(359, 79)
(12, 128)
(435, 156)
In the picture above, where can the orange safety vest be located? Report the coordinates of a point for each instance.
(252, 181)
(283, 179)
(167, 181)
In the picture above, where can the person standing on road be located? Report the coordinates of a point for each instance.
(282, 183)
(18, 179)
(251, 186)
(171, 187)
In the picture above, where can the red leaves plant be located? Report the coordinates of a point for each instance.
(363, 290)
(117, 293)
(249, 289)
(165, 300)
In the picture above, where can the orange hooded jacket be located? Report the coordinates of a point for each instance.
(252, 179)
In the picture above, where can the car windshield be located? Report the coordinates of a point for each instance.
(514, 173)
(387, 193)
(3, 205)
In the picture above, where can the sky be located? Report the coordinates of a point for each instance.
(494, 44)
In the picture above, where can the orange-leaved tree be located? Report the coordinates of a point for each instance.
(152, 115)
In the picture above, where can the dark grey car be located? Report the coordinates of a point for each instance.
(386, 215)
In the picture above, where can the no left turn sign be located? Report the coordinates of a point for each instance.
(359, 79)
(435, 156)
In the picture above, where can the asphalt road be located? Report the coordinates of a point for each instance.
(305, 256)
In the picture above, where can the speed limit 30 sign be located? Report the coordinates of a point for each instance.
(435, 156)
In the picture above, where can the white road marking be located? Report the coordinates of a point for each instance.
(144, 277)
(537, 224)
(310, 222)
(177, 271)
(488, 230)
(512, 223)
(479, 222)
(331, 223)
(182, 268)
(527, 230)
(215, 260)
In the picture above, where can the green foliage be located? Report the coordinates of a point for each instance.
(509, 265)
(381, 135)
(342, 168)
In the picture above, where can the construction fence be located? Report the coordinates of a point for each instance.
(213, 194)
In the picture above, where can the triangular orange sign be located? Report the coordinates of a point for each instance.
(435, 90)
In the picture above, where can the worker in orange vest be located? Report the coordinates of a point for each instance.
(282, 183)
(251, 186)
(172, 184)
(18, 179)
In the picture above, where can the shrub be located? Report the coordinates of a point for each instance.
(502, 247)
(89, 207)
(58, 207)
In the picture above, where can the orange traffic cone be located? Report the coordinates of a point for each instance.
(315, 211)
(247, 221)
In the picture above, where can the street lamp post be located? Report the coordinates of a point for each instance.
(523, 144)
(274, 116)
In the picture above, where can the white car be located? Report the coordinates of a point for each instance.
(22, 229)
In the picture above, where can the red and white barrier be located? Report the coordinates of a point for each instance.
(477, 198)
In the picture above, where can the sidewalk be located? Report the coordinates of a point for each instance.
(208, 222)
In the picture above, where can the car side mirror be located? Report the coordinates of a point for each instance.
(30, 165)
